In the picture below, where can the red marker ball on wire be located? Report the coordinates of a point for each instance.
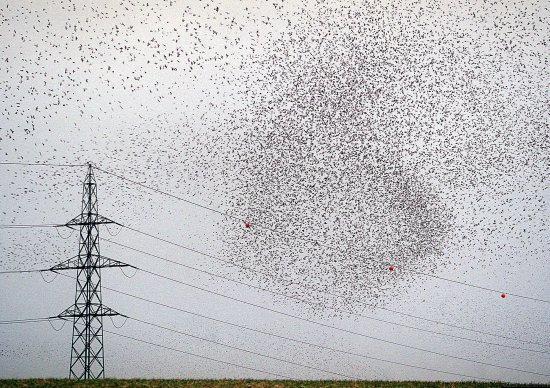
(503, 295)
(391, 268)
(247, 225)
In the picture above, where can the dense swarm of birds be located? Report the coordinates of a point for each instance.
(363, 134)
(377, 135)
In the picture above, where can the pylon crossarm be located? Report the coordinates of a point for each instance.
(107, 311)
(82, 219)
(108, 262)
(76, 312)
(76, 263)
(64, 264)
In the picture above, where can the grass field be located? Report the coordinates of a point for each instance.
(255, 384)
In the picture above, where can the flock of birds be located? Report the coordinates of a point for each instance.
(406, 133)
(374, 139)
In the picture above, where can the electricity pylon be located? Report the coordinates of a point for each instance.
(87, 313)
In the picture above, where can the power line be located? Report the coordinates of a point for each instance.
(400, 266)
(318, 323)
(340, 329)
(304, 301)
(291, 362)
(292, 236)
(307, 286)
(23, 271)
(26, 320)
(168, 194)
(41, 164)
(33, 320)
(20, 226)
(198, 355)
(326, 292)
(242, 349)
(284, 337)
(481, 287)
(333, 294)
(325, 306)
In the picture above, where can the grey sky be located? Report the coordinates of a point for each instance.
(188, 97)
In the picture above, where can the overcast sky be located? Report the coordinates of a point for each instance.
(351, 136)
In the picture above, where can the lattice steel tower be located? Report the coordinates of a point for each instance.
(87, 313)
